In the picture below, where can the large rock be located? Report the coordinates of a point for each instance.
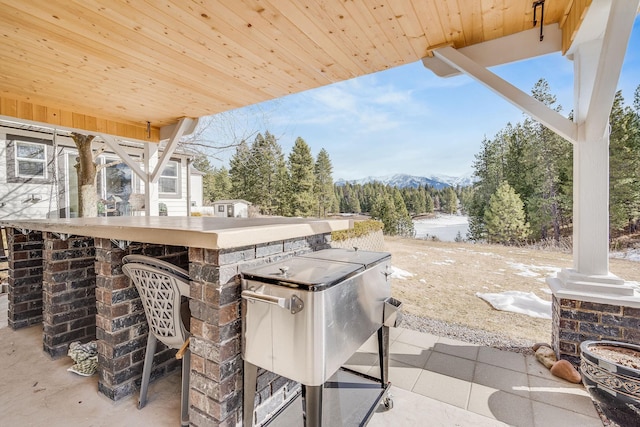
(546, 356)
(565, 370)
(537, 345)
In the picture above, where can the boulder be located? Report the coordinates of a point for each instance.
(565, 370)
(546, 356)
(537, 345)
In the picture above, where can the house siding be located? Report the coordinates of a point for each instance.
(20, 197)
(49, 198)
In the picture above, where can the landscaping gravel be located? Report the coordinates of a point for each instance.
(465, 334)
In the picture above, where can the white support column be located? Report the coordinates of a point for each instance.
(151, 198)
(590, 173)
(597, 60)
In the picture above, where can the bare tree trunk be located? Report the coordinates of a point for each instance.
(86, 169)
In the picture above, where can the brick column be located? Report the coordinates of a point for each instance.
(69, 292)
(121, 325)
(25, 278)
(575, 321)
(216, 362)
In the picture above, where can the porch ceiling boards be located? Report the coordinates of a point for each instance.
(112, 66)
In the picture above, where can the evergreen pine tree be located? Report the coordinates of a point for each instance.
(404, 224)
(504, 217)
(201, 163)
(220, 186)
(265, 154)
(624, 164)
(429, 207)
(240, 172)
(323, 188)
(302, 178)
(282, 199)
(450, 201)
(549, 155)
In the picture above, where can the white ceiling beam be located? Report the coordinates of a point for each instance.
(166, 132)
(184, 127)
(620, 21)
(525, 102)
(111, 141)
(503, 50)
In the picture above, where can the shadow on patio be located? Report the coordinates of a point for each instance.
(445, 381)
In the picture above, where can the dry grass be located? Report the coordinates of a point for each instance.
(446, 277)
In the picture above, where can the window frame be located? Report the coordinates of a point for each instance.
(42, 161)
(178, 182)
(12, 160)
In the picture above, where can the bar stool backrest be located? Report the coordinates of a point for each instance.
(158, 263)
(161, 292)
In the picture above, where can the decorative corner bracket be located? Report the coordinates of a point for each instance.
(122, 244)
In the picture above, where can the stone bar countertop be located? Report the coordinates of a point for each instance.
(199, 232)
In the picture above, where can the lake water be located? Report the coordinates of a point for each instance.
(444, 227)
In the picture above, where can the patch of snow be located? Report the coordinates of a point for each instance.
(397, 273)
(527, 273)
(546, 291)
(489, 254)
(519, 302)
(423, 281)
(629, 254)
(529, 270)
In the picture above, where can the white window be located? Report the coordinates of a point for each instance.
(31, 160)
(168, 182)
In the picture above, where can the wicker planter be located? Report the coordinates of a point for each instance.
(614, 386)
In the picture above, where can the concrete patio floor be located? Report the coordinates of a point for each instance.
(435, 381)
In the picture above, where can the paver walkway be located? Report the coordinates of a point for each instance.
(435, 381)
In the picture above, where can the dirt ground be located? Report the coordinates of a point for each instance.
(447, 276)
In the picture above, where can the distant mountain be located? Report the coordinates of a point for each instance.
(403, 180)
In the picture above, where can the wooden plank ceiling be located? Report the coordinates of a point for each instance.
(112, 66)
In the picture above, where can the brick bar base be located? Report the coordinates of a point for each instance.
(216, 362)
(68, 286)
(576, 321)
(25, 277)
(121, 326)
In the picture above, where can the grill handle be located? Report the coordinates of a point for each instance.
(294, 304)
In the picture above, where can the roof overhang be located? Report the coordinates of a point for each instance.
(135, 69)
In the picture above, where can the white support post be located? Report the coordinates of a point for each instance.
(597, 64)
(151, 198)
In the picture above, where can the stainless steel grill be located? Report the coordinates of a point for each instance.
(304, 317)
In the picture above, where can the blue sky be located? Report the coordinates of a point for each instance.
(408, 120)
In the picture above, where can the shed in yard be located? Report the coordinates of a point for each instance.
(236, 208)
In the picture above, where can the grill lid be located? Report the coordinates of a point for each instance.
(304, 273)
(365, 258)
